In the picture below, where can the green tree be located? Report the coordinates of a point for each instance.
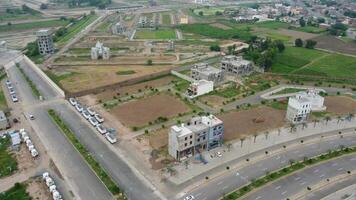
(298, 42)
(310, 44)
(201, 13)
(149, 62)
(302, 22)
(215, 47)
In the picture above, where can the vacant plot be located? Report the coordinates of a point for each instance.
(33, 25)
(162, 34)
(297, 34)
(335, 44)
(141, 112)
(213, 100)
(8, 162)
(247, 122)
(159, 139)
(340, 105)
(166, 19)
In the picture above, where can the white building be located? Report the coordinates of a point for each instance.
(200, 87)
(300, 106)
(202, 133)
(203, 71)
(45, 42)
(119, 28)
(3, 45)
(99, 51)
(236, 65)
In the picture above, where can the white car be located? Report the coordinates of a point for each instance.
(102, 130)
(219, 154)
(34, 153)
(79, 107)
(12, 91)
(31, 117)
(91, 111)
(190, 197)
(49, 181)
(99, 118)
(111, 138)
(9, 86)
(31, 147)
(14, 98)
(86, 114)
(45, 175)
(93, 121)
(8, 82)
(73, 101)
(52, 188)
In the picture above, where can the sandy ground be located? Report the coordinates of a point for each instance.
(142, 111)
(213, 100)
(340, 105)
(247, 122)
(24, 159)
(159, 139)
(38, 190)
(334, 44)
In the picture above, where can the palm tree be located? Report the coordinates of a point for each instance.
(338, 119)
(186, 163)
(292, 127)
(229, 145)
(266, 134)
(171, 170)
(304, 125)
(315, 121)
(254, 137)
(327, 119)
(350, 116)
(242, 140)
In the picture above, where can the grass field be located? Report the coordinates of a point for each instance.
(127, 72)
(3, 103)
(166, 19)
(163, 34)
(8, 163)
(17, 192)
(76, 28)
(33, 25)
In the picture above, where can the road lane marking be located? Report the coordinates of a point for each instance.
(334, 164)
(220, 182)
(259, 197)
(283, 193)
(321, 176)
(353, 159)
(283, 161)
(278, 187)
(303, 183)
(225, 187)
(297, 178)
(340, 169)
(316, 171)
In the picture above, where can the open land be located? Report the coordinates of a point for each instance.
(334, 44)
(162, 34)
(340, 105)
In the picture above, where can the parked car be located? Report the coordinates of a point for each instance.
(45, 175)
(79, 107)
(93, 121)
(34, 153)
(32, 117)
(99, 118)
(12, 91)
(49, 181)
(190, 197)
(9, 86)
(111, 138)
(102, 130)
(8, 82)
(91, 111)
(73, 101)
(14, 98)
(86, 114)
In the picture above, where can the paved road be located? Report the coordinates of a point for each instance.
(296, 183)
(237, 178)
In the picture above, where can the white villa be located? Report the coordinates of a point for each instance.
(200, 87)
(99, 51)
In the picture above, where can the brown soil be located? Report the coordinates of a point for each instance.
(340, 105)
(247, 122)
(334, 44)
(297, 34)
(24, 159)
(141, 112)
(159, 139)
(213, 100)
(37, 189)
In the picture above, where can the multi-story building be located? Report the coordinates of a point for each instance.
(203, 71)
(298, 109)
(45, 42)
(99, 51)
(200, 87)
(236, 65)
(119, 28)
(202, 133)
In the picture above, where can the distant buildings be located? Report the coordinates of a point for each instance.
(99, 51)
(3, 45)
(4, 122)
(300, 106)
(202, 133)
(203, 71)
(45, 42)
(144, 22)
(200, 87)
(119, 28)
(350, 33)
(236, 65)
(184, 20)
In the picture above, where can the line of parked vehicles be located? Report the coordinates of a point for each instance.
(51, 186)
(94, 119)
(26, 139)
(12, 91)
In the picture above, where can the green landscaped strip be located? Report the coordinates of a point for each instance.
(18, 192)
(3, 103)
(33, 25)
(128, 72)
(33, 87)
(166, 19)
(163, 34)
(76, 28)
(287, 171)
(100, 172)
(8, 163)
(288, 91)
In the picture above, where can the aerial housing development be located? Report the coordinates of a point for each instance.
(177, 100)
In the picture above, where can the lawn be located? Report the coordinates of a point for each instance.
(127, 72)
(3, 103)
(76, 28)
(181, 84)
(8, 163)
(288, 91)
(293, 58)
(163, 34)
(33, 25)
(333, 65)
(17, 192)
(166, 19)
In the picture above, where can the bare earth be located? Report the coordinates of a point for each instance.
(213, 100)
(141, 112)
(38, 190)
(334, 44)
(297, 34)
(247, 122)
(159, 139)
(340, 105)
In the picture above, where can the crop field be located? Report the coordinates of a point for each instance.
(33, 25)
(251, 121)
(140, 112)
(161, 34)
(166, 19)
(335, 44)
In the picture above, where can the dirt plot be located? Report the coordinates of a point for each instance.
(159, 139)
(24, 159)
(141, 112)
(213, 100)
(247, 122)
(334, 44)
(37, 189)
(340, 105)
(108, 94)
(297, 34)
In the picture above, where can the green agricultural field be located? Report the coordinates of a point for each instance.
(33, 25)
(76, 28)
(17, 192)
(270, 25)
(3, 103)
(163, 34)
(214, 32)
(294, 58)
(166, 19)
(332, 65)
(8, 162)
(311, 29)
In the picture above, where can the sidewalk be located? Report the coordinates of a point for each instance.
(251, 145)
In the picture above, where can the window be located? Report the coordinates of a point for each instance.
(191, 137)
(186, 138)
(190, 142)
(185, 144)
(204, 138)
(198, 140)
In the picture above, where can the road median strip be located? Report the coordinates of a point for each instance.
(99, 171)
(33, 87)
(294, 167)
